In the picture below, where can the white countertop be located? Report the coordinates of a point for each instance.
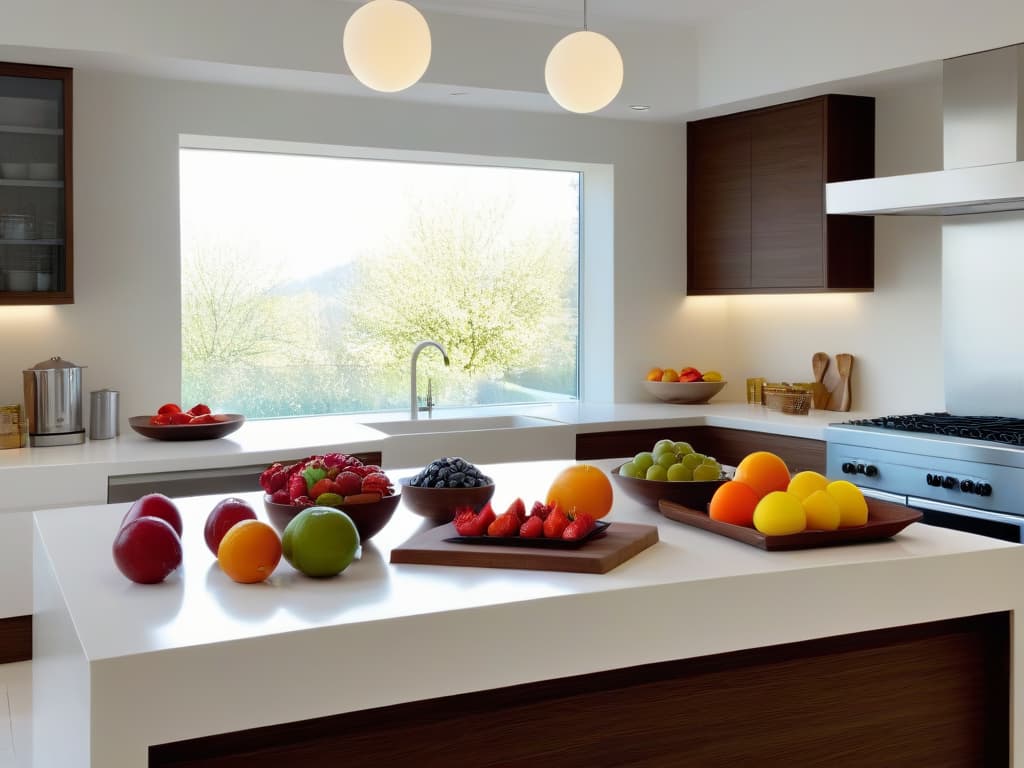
(409, 632)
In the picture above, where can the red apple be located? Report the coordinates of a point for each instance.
(154, 505)
(147, 550)
(225, 514)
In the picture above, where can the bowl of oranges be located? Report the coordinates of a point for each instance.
(685, 386)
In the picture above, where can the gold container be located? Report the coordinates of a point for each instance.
(13, 427)
(754, 386)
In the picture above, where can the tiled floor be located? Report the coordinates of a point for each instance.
(15, 715)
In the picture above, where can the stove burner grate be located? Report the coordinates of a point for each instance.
(999, 429)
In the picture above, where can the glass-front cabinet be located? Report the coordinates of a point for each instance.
(35, 185)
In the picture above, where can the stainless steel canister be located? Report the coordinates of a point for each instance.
(103, 414)
(53, 400)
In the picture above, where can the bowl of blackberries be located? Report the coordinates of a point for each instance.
(445, 485)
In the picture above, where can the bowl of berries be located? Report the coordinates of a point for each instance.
(362, 491)
(171, 422)
(444, 485)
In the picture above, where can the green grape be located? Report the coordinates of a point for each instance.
(679, 472)
(693, 460)
(643, 461)
(656, 472)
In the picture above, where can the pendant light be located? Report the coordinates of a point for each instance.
(387, 45)
(583, 72)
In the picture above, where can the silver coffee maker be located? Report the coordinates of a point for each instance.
(53, 401)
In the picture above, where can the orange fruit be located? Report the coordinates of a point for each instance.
(582, 488)
(670, 374)
(654, 374)
(764, 472)
(734, 502)
(249, 551)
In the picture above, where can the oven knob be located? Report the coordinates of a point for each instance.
(860, 469)
(967, 486)
(983, 489)
(870, 470)
(935, 480)
(948, 482)
(849, 468)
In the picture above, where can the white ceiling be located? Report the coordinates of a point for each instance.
(569, 12)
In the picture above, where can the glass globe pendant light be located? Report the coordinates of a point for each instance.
(387, 45)
(583, 72)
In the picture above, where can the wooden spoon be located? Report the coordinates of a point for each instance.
(819, 364)
(839, 399)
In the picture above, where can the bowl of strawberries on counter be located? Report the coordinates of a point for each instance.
(362, 491)
(171, 422)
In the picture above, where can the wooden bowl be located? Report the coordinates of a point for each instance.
(439, 504)
(369, 518)
(231, 422)
(695, 494)
(691, 392)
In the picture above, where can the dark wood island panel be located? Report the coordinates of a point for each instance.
(729, 446)
(932, 695)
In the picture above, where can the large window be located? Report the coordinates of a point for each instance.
(307, 280)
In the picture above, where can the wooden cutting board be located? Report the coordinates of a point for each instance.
(621, 542)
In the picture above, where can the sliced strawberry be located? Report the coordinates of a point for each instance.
(180, 418)
(203, 418)
(533, 528)
(517, 508)
(555, 523)
(199, 409)
(469, 522)
(219, 417)
(540, 509)
(169, 408)
(160, 420)
(581, 525)
(504, 525)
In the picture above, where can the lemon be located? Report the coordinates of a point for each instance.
(712, 376)
(779, 513)
(822, 511)
(853, 509)
(805, 483)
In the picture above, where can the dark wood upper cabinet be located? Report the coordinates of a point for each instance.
(756, 219)
(36, 265)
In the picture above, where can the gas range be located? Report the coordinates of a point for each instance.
(952, 465)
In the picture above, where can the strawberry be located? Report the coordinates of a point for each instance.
(469, 522)
(180, 418)
(504, 525)
(540, 509)
(266, 474)
(348, 483)
(296, 486)
(581, 525)
(376, 482)
(303, 501)
(160, 420)
(517, 508)
(533, 528)
(203, 418)
(199, 409)
(280, 496)
(555, 523)
(169, 408)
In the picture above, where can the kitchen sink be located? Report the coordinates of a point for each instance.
(467, 424)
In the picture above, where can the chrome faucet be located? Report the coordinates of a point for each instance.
(414, 404)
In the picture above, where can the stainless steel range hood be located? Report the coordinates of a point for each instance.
(983, 148)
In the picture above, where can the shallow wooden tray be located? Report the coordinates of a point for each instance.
(884, 520)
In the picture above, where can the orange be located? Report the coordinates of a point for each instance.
(764, 472)
(582, 488)
(670, 374)
(654, 374)
(249, 551)
(733, 502)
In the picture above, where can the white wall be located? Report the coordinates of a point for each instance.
(124, 324)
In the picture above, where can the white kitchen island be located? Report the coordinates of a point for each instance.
(118, 667)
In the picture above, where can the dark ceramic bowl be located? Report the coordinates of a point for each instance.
(369, 518)
(439, 504)
(231, 422)
(695, 494)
